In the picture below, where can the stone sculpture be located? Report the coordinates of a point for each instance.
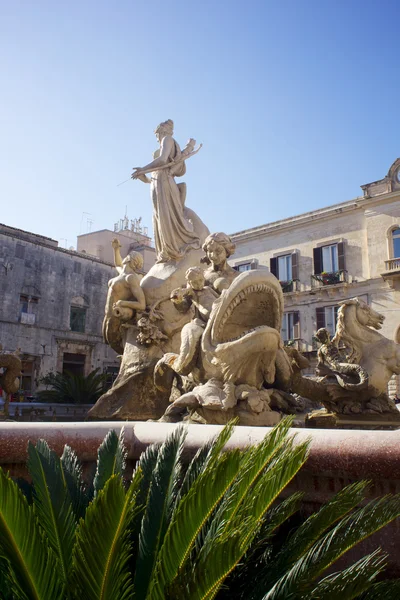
(208, 341)
(125, 296)
(9, 379)
(174, 232)
(144, 338)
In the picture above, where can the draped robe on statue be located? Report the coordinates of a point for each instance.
(173, 233)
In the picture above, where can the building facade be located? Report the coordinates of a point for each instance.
(131, 235)
(52, 307)
(326, 256)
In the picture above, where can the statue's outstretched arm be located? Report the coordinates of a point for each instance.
(165, 151)
(117, 253)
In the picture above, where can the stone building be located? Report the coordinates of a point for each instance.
(132, 236)
(52, 306)
(325, 256)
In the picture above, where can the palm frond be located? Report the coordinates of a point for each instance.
(72, 469)
(249, 575)
(311, 530)
(33, 565)
(160, 501)
(102, 550)
(253, 505)
(386, 590)
(111, 459)
(255, 461)
(351, 582)
(328, 549)
(146, 463)
(190, 516)
(204, 455)
(52, 502)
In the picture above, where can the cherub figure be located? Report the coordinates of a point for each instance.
(125, 296)
(201, 297)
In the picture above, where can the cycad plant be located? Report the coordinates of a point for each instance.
(69, 387)
(213, 529)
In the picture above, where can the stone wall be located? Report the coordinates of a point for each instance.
(40, 282)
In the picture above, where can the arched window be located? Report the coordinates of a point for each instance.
(395, 239)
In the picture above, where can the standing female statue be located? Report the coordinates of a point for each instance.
(174, 233)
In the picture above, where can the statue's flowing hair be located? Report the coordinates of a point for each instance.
(353, 347)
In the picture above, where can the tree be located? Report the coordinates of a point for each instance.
(77, 389)
(169, 532)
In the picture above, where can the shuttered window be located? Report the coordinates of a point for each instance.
(327, 317)
(290, 326)
(329, 259)
(286, 267)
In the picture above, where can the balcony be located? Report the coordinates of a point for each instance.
(392, 269)
(328, 279)
(292, 285)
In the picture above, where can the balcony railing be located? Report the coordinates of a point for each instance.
(324, 279)
(290, 286)
(392, 265)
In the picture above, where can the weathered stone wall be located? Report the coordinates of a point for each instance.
(54, 278)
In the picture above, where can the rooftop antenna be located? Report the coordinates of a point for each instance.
(89, 225)
(81, 225)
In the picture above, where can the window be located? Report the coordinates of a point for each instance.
(74, 363)
(77, 267)
(327, 317)
(290, 326)
(77, 319)
(285, 267)
(244, 267)
(28, 309)
(396, 243)
(329, 259)
(24, 304)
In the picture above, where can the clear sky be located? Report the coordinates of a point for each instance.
(296, 103)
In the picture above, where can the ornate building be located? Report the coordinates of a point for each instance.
(325, 256)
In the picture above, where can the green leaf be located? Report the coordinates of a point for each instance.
(383, 590)
(206, 454)
(254, 462)
(311, 530)
(103, 549)
(345, 535)
(33, 565)
(73, 476)
(111, 459)
(190, 516)
(161, 499)
(351, 582)
(253, 502)
(52, 502)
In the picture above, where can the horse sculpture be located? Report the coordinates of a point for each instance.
(357, 328)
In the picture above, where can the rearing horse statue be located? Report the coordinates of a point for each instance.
(357, 328)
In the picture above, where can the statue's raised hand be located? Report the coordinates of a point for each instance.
(115, 243)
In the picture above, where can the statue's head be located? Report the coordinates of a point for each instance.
(195, 278)
(134, 260)
(163, 129)
(218, 247)
(323, 336)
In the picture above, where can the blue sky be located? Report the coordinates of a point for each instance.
(296, 103)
